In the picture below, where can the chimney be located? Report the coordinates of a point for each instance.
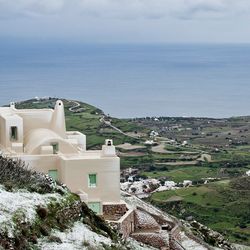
(12, 105)
(58, 119)
(108, 149)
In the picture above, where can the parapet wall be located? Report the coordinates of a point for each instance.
(125, 225)
(153, 239)
(114, 211)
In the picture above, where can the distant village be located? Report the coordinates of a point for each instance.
(141, 186)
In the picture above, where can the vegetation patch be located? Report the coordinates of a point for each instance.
(222, 206)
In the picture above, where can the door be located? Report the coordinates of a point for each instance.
(95, 207)
(53, 174)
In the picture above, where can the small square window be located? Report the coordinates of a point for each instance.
(92, 180)
(13, 133)
(53, 174)
(95, 207)
(55, 147)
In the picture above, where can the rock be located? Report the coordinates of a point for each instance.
(45, 231)
(42, 212)
(189, 218)
(33, 239)
(54, 239)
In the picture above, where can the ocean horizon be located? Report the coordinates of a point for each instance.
(132, 80)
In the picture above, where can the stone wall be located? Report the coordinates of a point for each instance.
(128, 226)
(159, 219)
(174, 245)
(153, 239)
(144, 221)
(114, 211)
(125, 226)
(174, 237)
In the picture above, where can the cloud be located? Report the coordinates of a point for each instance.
(17, 8)
(125, 9)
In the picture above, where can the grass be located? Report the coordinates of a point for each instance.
(219, 205)
(88, 122)
(201, 195)
(127, 126)
(232, 155)
(179, 174)
(179, 148)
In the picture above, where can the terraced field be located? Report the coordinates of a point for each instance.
(223, 206)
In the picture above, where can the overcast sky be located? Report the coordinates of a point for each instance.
(139, 21)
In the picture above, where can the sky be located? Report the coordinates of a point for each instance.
(127, 21)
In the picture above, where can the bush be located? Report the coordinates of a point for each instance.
(152, 168)
(42, 212)
(14, 174)
(243, 225)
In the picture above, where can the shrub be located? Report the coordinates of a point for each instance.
(15, 174)
(42, 212)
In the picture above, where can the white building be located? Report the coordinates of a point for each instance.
(39, 137)
(154, 133)
(187, 183)
(169, 184)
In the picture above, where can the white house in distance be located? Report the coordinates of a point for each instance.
(39, 137)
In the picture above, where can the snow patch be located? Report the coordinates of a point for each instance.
(79, 236)
(190, 244)
(21, 202)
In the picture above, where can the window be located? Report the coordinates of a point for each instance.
(13, 133)
(55, 147)
(95, 207)
(53, 174)
(92, 180)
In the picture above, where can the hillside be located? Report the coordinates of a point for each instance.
(223, 206)
(88, 120)
(215, 148)
(37, 213)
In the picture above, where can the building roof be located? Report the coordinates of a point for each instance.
(37, 137)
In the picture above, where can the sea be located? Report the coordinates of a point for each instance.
(131, 80)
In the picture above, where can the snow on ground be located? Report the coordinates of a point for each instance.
(164, 188)
(190, 244)
(135, 245)
(79, 236)
(139, 187)
(133, 201)
(20, 202)
(241, 247)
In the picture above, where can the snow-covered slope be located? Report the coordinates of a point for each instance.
(79, 236)
(21, 204)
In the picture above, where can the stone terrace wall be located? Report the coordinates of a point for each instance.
(144, 221)
(174, 238)
(153, 239)
(160, 220)
(125, 225)
(114, 211)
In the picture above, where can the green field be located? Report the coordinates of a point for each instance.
(223, 206)
(179, 174)
(195, 173)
